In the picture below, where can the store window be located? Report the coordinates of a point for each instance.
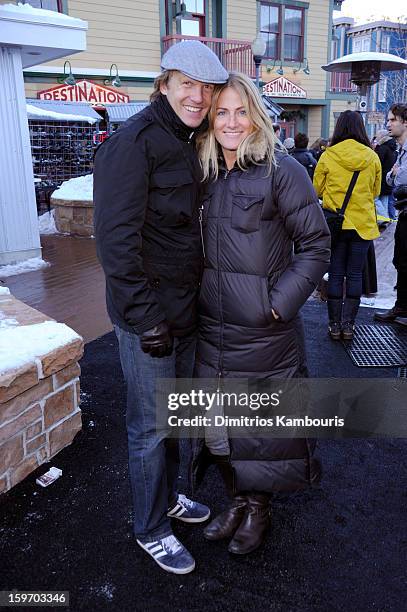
(195, 24)
(282, 28)
(49, 5)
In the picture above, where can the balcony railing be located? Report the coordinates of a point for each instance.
(234, 54)
(341, 83)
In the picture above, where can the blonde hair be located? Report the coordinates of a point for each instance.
(162, 79)
(256, 148)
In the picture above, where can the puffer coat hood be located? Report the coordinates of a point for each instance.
(331, 181)
(266, 246)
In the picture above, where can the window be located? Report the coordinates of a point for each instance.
(49, 5)
(381, 97)
(360, 44)
(385, 43)
(270, 29)
(282, 29)
(195, 25)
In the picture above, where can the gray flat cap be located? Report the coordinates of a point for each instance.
(196, 60)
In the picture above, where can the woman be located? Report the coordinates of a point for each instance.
(318, 147)
(260, 208)
(350, 152)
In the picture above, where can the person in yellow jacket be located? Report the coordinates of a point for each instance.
(350, 151)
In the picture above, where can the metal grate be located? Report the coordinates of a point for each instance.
(402, 373)
(378, 346)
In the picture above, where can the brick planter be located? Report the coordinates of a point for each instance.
(39, 402)
(74, 217)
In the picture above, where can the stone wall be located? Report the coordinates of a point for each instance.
(39, 400)
(74, 217)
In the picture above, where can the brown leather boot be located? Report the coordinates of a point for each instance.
(226, 523)
(254, 525)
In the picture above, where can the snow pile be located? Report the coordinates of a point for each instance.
(4, 291)
(41, 14)
(34, 111)
(29, 265)
(23, 344)
(5, 322)
(46, 223)
(80, 188)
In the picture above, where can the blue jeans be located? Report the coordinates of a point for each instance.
(348, 259)
(153, 458)
(392, 210)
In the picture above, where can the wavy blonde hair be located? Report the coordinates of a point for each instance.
(256, 148)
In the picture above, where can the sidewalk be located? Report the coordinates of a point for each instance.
(337, 548)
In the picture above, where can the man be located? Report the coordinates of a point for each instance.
(396, 177)
(147, 182)
(302, 155)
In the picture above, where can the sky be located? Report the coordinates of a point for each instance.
(373, 10)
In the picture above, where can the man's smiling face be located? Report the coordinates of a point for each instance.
(190, 99)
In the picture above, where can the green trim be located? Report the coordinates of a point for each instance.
(294, 3)
(162, 22)
(328, 55)
(326, 115)
(65, 7)
(34, 77)
(330, 95)
(300, 101)
(224, 29)
(206, 6)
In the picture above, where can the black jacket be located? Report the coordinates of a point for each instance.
(387, 152)
(306, 159)
(253, 225)
(147, 183)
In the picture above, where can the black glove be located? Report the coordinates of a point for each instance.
(158, 341)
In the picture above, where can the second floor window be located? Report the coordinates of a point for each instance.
(194, 26)
(49, 5)
(282, 28)
(360, 44)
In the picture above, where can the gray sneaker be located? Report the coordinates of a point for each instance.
(169, 554)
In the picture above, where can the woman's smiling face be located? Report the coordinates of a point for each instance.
(232, 124)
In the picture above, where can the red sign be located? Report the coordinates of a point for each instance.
(84, 91)
(283, 88)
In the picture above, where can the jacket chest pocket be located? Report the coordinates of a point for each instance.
(246, 213)
(172, 197)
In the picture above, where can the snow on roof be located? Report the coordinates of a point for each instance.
(42, 15)
(4, 291)
(80, 188)
(35, 112)
(25, 343)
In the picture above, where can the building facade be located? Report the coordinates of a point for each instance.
(128, 41)
(378, 36)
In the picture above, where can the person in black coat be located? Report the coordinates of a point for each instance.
(266, 248)
(147, 183)
(386, 149)
(302, 155)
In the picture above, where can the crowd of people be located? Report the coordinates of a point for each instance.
(212, 237)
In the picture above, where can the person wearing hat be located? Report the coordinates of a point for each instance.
(147, 182)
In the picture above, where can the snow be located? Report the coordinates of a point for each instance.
(4, 291)
(52, 115)
(5, 322)
(30, 342)
(35, 263)
(26, 10)
(46, 223)
(80, 188)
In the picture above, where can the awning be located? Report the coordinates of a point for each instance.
(273, 109)
(71, 110)
(121, 112)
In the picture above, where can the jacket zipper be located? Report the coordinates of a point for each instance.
(201, 229)
(220, 362)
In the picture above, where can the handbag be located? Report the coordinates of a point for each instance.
(335, 218)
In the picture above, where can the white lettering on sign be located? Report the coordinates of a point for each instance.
(283, 88)
(84, 91)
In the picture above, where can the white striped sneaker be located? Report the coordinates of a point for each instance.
(189, 511)
(170, 554)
